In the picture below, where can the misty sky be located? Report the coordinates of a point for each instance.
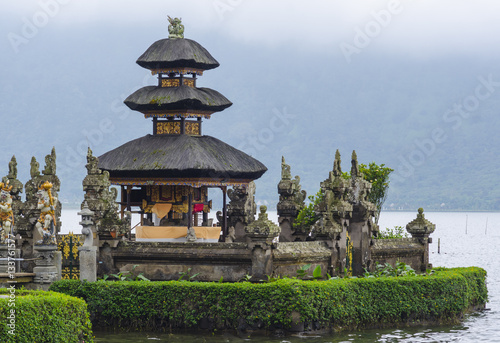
(75, 59)
(415, 29)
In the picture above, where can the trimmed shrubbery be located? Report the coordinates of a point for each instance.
(338, 304)
(44, 317)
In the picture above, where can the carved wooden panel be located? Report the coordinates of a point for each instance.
(170, 82)
(192, 128)
(168, 128)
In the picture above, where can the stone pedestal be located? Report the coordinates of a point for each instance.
(4, 253)
(46, 267)
(88, 263)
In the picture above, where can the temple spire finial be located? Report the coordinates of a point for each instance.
(175, 29)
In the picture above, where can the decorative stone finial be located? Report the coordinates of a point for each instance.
(354, 164)
(262, 228)
(50, 163)
(420, 227)
(12, 168)
(285, 170)
(337, 169)
(175, 29)
(34, 168)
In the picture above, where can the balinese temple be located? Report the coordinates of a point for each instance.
(168, 172)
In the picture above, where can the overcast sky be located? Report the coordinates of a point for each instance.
(417, 29)
(361, 48)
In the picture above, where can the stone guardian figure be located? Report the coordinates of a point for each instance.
(6, 214)
(46, 223)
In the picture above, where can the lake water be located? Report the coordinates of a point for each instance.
(467, 239)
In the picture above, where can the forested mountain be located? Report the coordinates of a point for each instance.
(67, 91)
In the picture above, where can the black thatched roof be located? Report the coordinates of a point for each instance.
(174, 53)
(180, 156)
(153, 98)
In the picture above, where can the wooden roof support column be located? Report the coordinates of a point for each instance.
(129, 190)
(190, 209)
(224, 214)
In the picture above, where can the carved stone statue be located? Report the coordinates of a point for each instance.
(46, 223)
(175, 29)
(6, 215)
(35, 168)
(191, 235)
(50, 163)
(285, 170)
(92, 162)
(12, 168)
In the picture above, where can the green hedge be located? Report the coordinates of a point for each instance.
(339, 304)
(44, 317)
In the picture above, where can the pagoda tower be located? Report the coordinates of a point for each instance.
(169, 171)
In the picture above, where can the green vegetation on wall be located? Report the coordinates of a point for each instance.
(338, 304)
(44, 317)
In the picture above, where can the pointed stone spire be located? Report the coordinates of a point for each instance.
(286, 174)
(354, 165)
(337, 169)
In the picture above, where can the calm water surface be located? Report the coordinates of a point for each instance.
(478, 247)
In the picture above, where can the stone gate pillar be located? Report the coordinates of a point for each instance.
(88, 252)
(260, 235)
(290, 203)
(420, 229)
(241, 210)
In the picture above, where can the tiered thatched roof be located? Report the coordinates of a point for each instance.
(153, 98)
(180, 156)
(177, 53)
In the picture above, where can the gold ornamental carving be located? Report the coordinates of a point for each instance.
(168, 128)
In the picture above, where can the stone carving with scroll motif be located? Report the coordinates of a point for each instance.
(290, 203)
(241, 209)
(101, 199)
(334, 210)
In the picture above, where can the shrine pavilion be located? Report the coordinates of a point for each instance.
(168, 173)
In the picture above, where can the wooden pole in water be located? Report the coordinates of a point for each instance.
(439, 245)
(466, 217)
(486, 228)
